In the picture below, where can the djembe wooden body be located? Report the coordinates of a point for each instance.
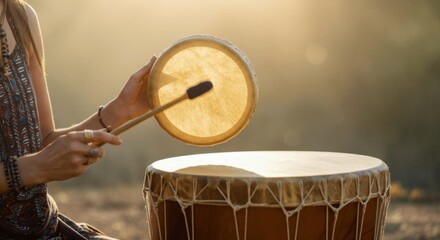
(267, 195)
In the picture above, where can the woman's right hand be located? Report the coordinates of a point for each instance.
(68, 156)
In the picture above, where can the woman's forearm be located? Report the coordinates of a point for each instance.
(112, 114)
(130, 103)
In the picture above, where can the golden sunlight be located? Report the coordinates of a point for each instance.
(343, 76)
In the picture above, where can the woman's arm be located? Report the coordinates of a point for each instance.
(66, 151)
(47, 125)
(130, 103)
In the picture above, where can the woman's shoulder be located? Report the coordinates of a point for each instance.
(34, 27)
(33, 22)
(31, 14)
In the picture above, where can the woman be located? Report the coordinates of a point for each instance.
(32, 151)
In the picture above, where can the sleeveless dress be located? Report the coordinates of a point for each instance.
(30, 213)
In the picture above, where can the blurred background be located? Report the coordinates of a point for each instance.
(347, 76)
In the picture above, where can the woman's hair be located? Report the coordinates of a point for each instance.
(16, 10)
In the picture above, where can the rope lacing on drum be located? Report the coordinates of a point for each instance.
(173, 189)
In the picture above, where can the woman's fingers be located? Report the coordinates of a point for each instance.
(91, 152)
(72, 154)
(144, 71)
(82, 144)
(92, 155)
(95, 136)
(147, 68)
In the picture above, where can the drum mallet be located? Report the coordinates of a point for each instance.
(191, 93)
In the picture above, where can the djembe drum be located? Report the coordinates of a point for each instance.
(267, 195)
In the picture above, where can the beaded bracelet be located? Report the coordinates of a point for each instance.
(12, 174)
(108, 128)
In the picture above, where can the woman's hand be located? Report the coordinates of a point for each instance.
(68, 156)
(133, 96)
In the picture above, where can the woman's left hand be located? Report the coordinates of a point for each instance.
(133, 96)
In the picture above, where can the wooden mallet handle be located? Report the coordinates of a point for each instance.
(191, 93)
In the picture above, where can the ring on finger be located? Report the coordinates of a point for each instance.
(88, 135)
(93, 152)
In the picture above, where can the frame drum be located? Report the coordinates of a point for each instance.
(219, 114)
(267, 195)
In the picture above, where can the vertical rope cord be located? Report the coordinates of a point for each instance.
(326, 222)
(248, 203)
(386, 198)
(357, 222)
(335, 220)
(162, 187)
(192, 222)
(378, 217)
(237, 232)
(303, 200)
(165, 219)
(377, 220)
(341, 204)
(358, 186)
(195, 195)
(297, 224)
(183, 207)
(280, 196)
(228, 192)
(325, 197)
(245, 223)
(336, 212)
(364, 205)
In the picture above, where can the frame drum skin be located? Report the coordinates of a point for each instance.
(219, 114)
(267, 195)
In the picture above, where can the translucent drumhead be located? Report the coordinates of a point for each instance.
(216, 116)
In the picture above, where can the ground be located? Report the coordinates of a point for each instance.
(120, 213)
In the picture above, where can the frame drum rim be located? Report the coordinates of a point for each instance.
(240, 59)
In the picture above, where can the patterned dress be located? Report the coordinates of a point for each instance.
(30, 213)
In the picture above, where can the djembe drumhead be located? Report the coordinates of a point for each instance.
(216, 116)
